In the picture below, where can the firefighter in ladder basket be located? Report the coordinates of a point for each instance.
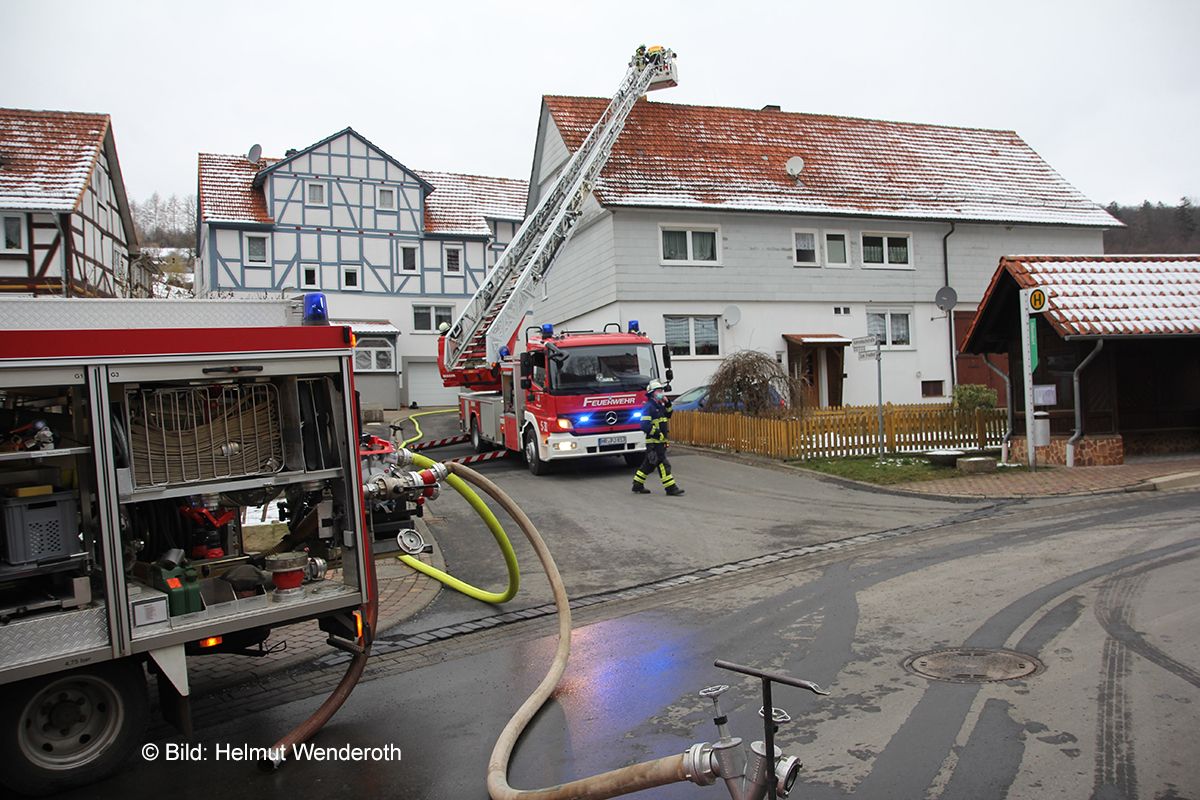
(656, 426)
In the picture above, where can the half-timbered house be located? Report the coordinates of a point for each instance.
(397, 251)
(66, 221)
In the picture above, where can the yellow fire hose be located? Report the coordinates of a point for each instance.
(493, 524)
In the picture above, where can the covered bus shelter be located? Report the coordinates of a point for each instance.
(1118, 364)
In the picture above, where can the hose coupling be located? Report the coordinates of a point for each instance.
(416, 486)
(698, 764)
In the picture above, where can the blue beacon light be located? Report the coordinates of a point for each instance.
(316, 309)
(547, 329)
(633, 326)
(504, 352)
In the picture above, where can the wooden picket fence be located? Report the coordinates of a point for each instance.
(846, 431)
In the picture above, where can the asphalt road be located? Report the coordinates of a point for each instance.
(604, 537)
(1101, 591)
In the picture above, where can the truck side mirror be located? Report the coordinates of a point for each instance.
(670, 374)
(526, 367)
(526, 383)
(666, 354)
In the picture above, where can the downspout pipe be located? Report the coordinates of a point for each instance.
(1008, 394)
(950, 312)
(1078, 434)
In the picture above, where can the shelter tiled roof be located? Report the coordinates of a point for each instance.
(682, 156)
(46, 157)
(462, 204)
(1116, 295)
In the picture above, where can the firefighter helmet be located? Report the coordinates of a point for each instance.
(654, 386)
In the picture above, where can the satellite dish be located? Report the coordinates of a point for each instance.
(795, 165)
(946, 298)
(255, 153)
(732, 315)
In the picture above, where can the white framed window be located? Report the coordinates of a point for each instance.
(430, 318)
(887, 250)
(693, 335)
(374, 354)
(454, 259)
(13, 236)
(893, 326)
(315, 193)
(841, 311)
(837, 249)
(257, 248)
(310, 276)
(690, 245)
(351, 277)
(804, 248)
(408, 258)
(385, 199)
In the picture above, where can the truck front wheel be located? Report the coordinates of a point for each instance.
(68, 729)
(533, 458)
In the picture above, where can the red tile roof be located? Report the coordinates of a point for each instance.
(682, 156)
(1099, 296)
(46, 157)
(226, 194)
(462, 204)
(458, 204)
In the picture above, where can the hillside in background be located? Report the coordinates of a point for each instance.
(1155, 228)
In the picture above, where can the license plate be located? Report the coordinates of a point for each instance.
(607, 440)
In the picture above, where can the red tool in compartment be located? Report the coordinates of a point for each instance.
(210, 546)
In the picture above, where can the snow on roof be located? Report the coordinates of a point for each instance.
(46, 157)
(1098, 296)
(226, 191)
(458, 204)
(462, 204)
(683, 156)
(368, 326)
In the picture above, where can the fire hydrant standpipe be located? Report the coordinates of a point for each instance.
(493, 524)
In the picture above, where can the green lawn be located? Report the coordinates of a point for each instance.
(891, 469)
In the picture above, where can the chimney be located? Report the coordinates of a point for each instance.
(292, 151)
(771, 108)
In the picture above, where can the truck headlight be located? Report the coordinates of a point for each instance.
(564, 423)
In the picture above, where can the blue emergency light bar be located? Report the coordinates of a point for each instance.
(316, 309)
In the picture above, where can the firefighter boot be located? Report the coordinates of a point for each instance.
(640, 488)
(674, 491)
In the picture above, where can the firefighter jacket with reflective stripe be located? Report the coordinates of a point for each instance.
(655, 422)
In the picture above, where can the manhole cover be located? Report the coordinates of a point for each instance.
(971, 665)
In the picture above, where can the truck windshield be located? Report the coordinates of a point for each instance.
(601, 368)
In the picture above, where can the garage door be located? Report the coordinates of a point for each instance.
(424, 385)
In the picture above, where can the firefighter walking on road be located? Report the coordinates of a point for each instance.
(656, 426)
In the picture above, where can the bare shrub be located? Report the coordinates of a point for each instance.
(753, 383)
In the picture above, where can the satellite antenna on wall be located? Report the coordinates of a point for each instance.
(795, 165)
(946, 298)
(732, 315)
(255, 153)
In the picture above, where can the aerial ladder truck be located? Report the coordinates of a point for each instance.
(577, 394)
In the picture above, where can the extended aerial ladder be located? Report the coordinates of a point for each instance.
(492, 319)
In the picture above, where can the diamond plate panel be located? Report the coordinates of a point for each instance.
(56, 313)
(38, 638)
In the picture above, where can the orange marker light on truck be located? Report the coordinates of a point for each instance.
(211, 641)
(358, 625)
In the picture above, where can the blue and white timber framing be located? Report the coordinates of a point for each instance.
(381, 240)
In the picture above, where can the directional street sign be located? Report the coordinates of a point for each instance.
(864, 343)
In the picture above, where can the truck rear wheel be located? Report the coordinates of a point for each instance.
(478, 443)
(68, 729)
(533, 458)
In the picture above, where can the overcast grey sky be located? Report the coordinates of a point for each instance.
(1105, 90)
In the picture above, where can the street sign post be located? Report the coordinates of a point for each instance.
(869, 347)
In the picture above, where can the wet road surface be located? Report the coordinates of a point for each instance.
(1102, 591)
